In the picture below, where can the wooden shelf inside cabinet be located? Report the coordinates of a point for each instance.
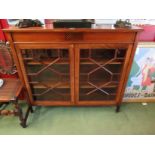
(66, 61)
(30, 61)
(99, 84)
(84, 62)
(101, 61)
(39, 85)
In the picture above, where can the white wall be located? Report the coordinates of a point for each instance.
(133, 21)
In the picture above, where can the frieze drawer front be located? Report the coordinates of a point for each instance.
(73, 67)
(38, 37)
(93, 37)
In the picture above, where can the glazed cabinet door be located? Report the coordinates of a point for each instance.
(100, 72)
(48, 72)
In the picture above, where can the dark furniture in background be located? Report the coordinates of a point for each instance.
(74, 67)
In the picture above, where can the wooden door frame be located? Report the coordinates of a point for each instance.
(77, 71)
(70, 47)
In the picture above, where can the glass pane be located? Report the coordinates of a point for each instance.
(48, 73)
(100, 71)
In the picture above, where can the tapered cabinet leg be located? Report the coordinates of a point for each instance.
(23, 124)
(19, 113)
(31, 109)
(117, 108)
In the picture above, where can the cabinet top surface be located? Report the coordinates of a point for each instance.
(49, 28)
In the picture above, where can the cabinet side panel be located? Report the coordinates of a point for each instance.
(123, 74)
(128, 68)
(24, 74)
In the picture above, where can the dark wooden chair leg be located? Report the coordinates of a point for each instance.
(117, 108)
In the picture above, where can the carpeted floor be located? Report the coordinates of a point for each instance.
(134, 118)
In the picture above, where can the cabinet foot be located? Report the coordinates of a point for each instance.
(23, 124)
(31, 109)
(117, 108)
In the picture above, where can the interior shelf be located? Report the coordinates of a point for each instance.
(86, 95)
(30, 61)
(45, 94)
(40, 85)
(101, 61)
(45, 62)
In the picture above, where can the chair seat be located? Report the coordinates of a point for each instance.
(10, 90)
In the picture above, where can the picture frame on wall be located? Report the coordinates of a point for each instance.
(141, 82)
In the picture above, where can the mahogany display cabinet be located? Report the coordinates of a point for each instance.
(73, 67)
